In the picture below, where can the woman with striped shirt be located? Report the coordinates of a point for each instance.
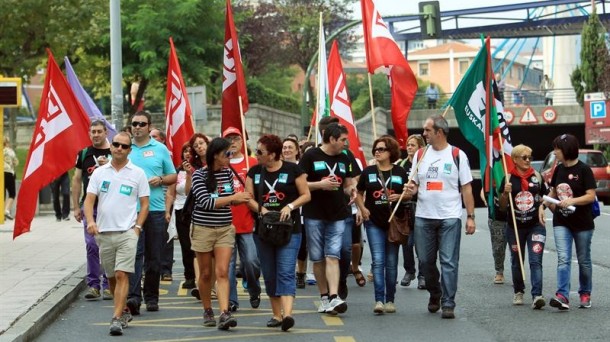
(212, 234)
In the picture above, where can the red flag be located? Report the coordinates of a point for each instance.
(179, 118)
(61, 131)
(340, 104)
(233, 80)
(403, 86)
(381, 48)
(382, 51)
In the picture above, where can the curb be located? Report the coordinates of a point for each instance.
(41, 315)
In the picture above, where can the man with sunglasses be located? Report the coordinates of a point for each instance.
(87, 161)
(154, 158)
(244, 226)
(118, 188)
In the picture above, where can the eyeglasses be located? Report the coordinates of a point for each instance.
(259, 152)
(526, 157)
(123, 146)
(233, 138)
(139, 124)
(380, 150)
(228, 154)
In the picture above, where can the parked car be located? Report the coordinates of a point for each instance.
(598, 164)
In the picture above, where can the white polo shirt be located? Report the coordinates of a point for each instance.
(118, 194)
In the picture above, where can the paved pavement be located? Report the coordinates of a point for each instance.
(40, 274)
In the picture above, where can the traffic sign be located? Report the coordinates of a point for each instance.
(509, 116)
(549, 115)
(528, 116)
(597, 109)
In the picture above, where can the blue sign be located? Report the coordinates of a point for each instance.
(598, 109)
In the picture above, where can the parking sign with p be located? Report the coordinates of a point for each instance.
(597, 109)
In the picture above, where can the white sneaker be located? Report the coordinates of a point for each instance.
(378, 309)
(338, 305)
(389, 307)
(518, 298)
(538, 303)
(324, 305)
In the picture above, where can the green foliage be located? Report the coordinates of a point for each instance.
(358, 89)
(279, 79)
(257, 93)
(589, 77)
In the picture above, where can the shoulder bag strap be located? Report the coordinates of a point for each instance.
(260, 191)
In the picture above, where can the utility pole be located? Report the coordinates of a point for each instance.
(116, 65)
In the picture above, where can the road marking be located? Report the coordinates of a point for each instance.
(332, 320)
(240, 336)
(345, 339)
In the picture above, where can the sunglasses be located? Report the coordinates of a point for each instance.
(228, 154)
(123, 146)
(259, 152)
(380, 150)
(526, 157)
(139, 124)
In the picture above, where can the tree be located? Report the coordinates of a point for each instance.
(589, 77)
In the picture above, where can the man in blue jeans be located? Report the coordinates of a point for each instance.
(438, 182)
(153, 157)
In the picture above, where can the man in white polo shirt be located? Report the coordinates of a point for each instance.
(117, 186)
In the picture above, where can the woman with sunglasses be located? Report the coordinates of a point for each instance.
(175, 198)
(573, 184)
(379, 186)
(414, 143)
(525, 186)
(279, 186)
(213, 235)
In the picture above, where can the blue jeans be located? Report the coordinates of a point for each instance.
(324, 238)
(150, 246)
(346, 249)
(279, 265)
(439, 237)
(563, 241)
(250, 263)
(535, 238)
(385, 262)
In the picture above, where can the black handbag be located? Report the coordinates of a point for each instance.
(270, 228)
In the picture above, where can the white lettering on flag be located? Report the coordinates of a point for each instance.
(56, 121)
(228, 71)
(379, 29)
(178, 105)
(340, 104)
(475, 109)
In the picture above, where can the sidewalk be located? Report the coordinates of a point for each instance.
(40, 273)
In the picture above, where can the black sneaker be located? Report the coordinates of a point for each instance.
(233, 307)
(406, 280)
(195, 293)
(560, 302)
(189, 284)
(255, 301)
(116, 328)
(342, 290)
(134, 306)
(152, 306)
(226, 321)
(434, 304)
(300, 280)
(448, 313)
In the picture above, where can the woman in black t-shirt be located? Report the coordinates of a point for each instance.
(378, 186)
(527, 190)
(572, 184)
(279, 186)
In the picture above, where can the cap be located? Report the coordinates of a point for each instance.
(231, 130)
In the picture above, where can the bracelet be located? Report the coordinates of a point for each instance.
(137, 226)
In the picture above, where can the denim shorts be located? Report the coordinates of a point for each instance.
(324, 238)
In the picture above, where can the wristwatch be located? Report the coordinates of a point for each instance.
(470, 216)
(291, 206)
(138, 227)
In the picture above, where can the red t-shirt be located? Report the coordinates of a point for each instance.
(242, 215)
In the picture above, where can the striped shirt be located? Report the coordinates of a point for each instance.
(204, 213)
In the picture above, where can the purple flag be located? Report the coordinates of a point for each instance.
(85, 100)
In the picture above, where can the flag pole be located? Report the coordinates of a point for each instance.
(372, 107)
(315, 133)
(413, 173)
(446, 110)
(242, 118)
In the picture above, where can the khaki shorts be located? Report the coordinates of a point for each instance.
(118, 251)
(205, 239)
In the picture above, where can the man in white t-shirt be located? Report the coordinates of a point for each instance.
(118, 186)
(443, 173)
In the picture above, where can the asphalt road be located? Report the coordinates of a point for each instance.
(484, 311)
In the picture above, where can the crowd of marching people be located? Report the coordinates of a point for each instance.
(289, 201)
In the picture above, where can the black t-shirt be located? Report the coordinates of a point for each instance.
(498, 214)
(571, 182)
(279, 189)
(375, 199)
(528, 202)
(87, 162)
(330, 205)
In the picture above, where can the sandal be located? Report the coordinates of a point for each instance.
(360, 280)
